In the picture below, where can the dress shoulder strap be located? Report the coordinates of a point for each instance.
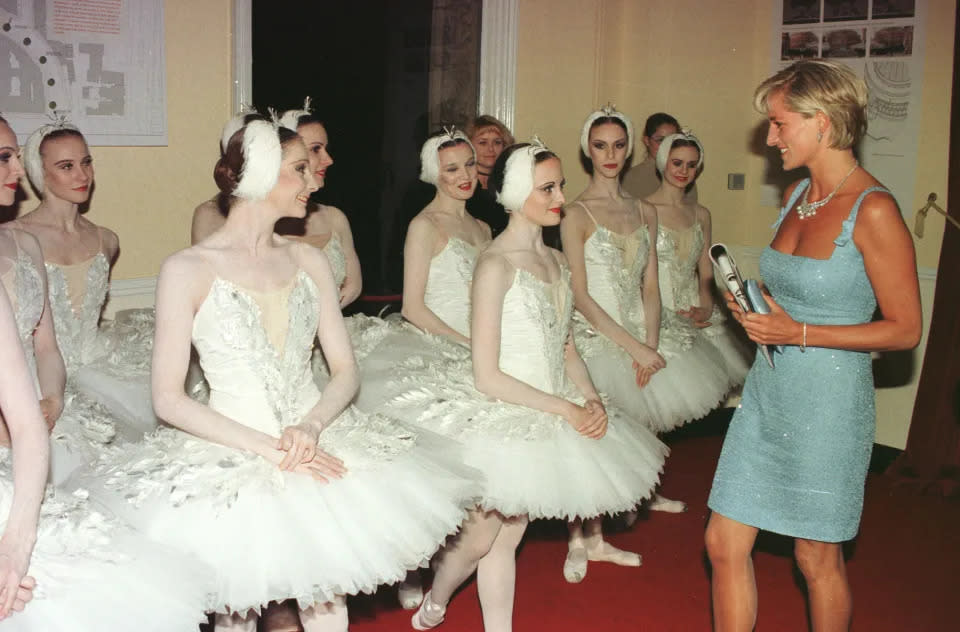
(589, 214)
(846, 233)
(797, 192)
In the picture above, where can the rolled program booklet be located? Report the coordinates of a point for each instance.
(747, 295)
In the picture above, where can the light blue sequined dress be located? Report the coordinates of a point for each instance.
(795, 457)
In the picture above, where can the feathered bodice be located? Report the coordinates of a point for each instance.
(615, 264)
(338, 261)
(24, 286)
(76, 329)
(534, 329)
(678, 252)
(251, 380)
(448, 285)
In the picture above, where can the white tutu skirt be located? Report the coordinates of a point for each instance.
(737, 351)
(692, 384)
(94, 574)
(392, 347)
(79, 436)
(272, 535)
(535, 463)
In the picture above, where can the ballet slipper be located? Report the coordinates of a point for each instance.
(606, 552)
(662, 503)
(410, 592)
(429, 616)
(575, 566)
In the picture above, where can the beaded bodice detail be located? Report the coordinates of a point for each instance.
(77, 332)
(338, 261)
(615, 264)
(250, 380)
(678, 253)
(24, 286)
(448, 285)
(534, 328)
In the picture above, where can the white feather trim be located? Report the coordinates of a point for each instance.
(605, 111)
(664, 152)
(32, 161)
(289, 118)
(429, 153)
(262, 155)
(518, 176)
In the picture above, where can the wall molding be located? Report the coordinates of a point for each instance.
(498, 60)
(242, 54)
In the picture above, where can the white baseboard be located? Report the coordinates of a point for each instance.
(130, 294)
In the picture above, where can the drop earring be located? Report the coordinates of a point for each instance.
(819, 134)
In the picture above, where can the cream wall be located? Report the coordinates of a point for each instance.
(701, 61)
(147, 194)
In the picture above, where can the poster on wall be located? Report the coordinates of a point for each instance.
(882, 41)
(97, 63)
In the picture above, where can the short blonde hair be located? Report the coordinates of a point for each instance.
(484, 122)
(819, 85)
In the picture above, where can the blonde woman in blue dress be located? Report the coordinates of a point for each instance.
(659, 381)
(795, 458)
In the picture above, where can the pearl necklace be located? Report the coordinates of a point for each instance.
(807, 209)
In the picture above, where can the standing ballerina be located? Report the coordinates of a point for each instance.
(527, 413)
(607, 237)
(684, 267)
(795, 458)
(250, 483)
(110, 365)
(51, 541)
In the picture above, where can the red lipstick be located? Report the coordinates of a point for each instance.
(557, 210)
(611, 165)
(82, 189)
(12, 185)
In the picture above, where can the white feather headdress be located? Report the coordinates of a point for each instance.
(262, 156)
(429, 153)
(518, 175)
(664, 152)
(32, 161)
(607, 111)
(289, 118)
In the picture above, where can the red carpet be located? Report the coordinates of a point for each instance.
(904, 569)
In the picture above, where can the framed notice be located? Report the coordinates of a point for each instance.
(882, 41)
(99, 63)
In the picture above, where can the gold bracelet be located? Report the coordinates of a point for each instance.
(803, 344)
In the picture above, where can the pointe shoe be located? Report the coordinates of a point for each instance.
(661, 503)
(410, 595)
(429, 616)
(606, 552)
(575, 566)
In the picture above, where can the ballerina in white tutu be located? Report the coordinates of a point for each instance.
(534, 423)
(439, 255)
(86, 571)
(685, 271)
(110, 365)
(276, 486)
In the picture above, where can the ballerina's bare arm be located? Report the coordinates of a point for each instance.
(574, 232)
(31, 456)
(353, 283)
(334, 340)
(51, 372)
(651, 279)
(884, 241)
(492, 278)
(700, 313)
(421, 245)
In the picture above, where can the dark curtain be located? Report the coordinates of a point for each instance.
(931, 462)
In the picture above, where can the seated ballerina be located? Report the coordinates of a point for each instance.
(108, 366)
(523, 406)
(64, 566)
(284, 491)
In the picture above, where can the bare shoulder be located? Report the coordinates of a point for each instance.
(207, 208)
(702, 212)
(423, 225)
(879, 211)
(493, 261)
